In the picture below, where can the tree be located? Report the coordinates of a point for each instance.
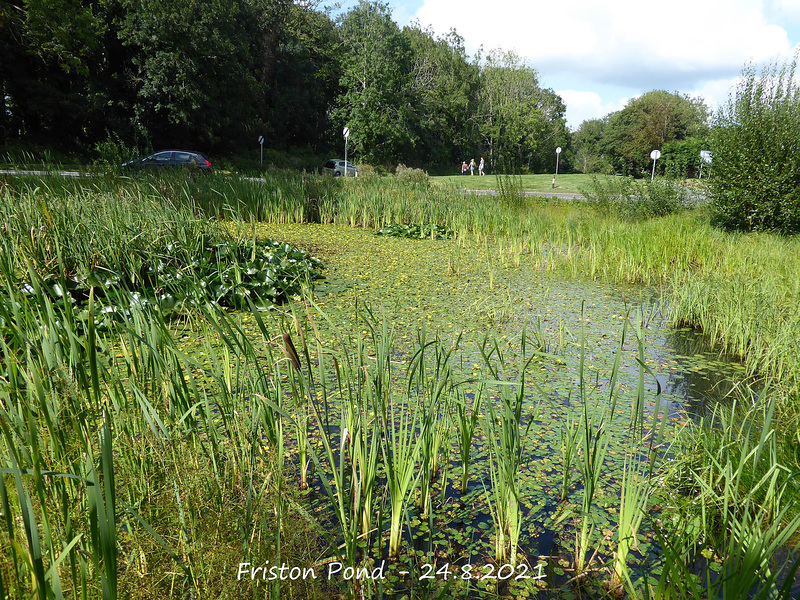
(508, 118)
(554, 133)
(443, 88)
(376, 81)
(649, 122)
(305, 82)
(587, 146)
(755, 184)
(194, 71)
(46, 49)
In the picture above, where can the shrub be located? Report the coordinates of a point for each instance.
(755, 183)
(410, 175)
(113, 152)
(630, 199)
(366, 171)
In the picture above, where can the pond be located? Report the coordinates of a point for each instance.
(470, 293)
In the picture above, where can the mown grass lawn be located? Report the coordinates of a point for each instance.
(570, 183)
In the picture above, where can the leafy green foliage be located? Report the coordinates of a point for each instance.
(183, 93)
(649, 122)
(225, 273)
(162, 249)
(756, 165)
(419, 232)
(587, 146)
(508, 119)
(375, 103)
(635, 200)
(444, 83)
(681, 158)
(412, 176)
(229, 273)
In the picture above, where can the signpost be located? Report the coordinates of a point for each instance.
(655, 155)
(261, 141)
(346, 133)
(558, 152)
(706, 157)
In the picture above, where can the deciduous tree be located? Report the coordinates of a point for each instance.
(376, 82)
(508, 118)
(649, 122)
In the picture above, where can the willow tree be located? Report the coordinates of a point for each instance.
(755, 180)
(508, 119)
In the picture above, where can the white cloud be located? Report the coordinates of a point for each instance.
(716, 92)
(583, 105)
(621, 42)
(789, 9)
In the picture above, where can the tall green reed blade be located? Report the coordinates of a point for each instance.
(570, 430)
(101, 501)
(359, 427)
(506, 437)
(635, 491)
(32, 556)
(594, 444)
(432, 391)
(399, 424)
(467, 421)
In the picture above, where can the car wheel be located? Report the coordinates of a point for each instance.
(336, 174)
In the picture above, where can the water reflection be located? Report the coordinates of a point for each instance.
(681, 364)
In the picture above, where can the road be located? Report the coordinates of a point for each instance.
(559, 195)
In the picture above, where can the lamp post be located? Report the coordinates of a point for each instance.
(558, 152)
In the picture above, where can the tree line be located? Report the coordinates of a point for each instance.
(216, 75)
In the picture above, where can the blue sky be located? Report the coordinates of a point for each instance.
(598, 54)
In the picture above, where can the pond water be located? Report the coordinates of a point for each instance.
(450, 290)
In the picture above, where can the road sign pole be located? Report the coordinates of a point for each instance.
(261, 141)
(655, 155)
(346, 134)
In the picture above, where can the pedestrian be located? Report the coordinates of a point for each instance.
(464, 167)
(480, 167)
(472, 166)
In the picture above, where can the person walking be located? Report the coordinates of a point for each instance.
(472, 166)
(464, 167)
(480, 167)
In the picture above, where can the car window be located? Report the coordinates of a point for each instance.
(182, 157)
(162, 157)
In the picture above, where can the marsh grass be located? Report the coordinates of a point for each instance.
(742, 511)
(209, 439)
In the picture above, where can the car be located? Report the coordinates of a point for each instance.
(171, 158)
(336, 167)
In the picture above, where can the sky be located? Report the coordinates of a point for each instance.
(599, 54)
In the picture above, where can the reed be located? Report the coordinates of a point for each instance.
(743, 509)
(467, 421)
(594, 442)
(506, 435)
